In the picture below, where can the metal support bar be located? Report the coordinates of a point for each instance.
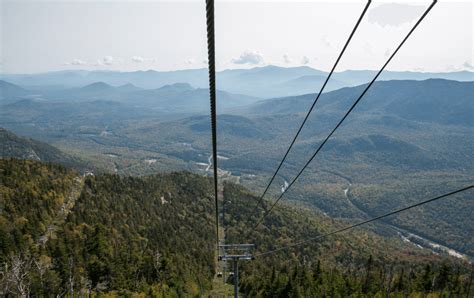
(236, 278)
(234, 253)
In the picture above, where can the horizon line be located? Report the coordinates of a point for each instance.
(226, 69)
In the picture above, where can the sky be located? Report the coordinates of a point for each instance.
(44, 35)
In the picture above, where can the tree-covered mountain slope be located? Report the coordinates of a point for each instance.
(175, 99)
(12, 145)
(11, 92)
(154, 235)
(123, 234)
(404, 141)
(434, 101)
(356, 263)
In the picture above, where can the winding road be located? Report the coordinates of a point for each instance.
(405, 235)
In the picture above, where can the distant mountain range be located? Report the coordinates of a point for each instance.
(178, 98)
(405, 140)
(265, 82)
(434, 100)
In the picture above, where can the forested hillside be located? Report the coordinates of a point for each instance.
(357, 263)
(151, 235)
(81, 235)
(216, 148)
(15, 146)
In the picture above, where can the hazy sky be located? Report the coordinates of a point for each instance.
(39, 35)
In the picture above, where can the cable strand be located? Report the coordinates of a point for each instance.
(366, 221)
(314, 103)
(346, 115)
(212, 97)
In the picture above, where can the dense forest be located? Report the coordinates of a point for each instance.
(355, 264)
(405, 141)
(15, 146)
(66, 234)
(123, 235)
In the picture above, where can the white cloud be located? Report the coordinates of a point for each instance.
(325, 41)
(305, 60)
(452, 68)
(98, 63)
(249, 57)
(138, 59)
(286, 58)
(108, 60)
(76, 62)
(394, 14)
(467, 65)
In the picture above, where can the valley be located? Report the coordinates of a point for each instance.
(405, 235)
(405, 142)
(152, 235)
(215, 149)
(381, 144)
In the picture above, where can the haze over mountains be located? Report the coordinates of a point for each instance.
(265, 82)
(126, 170)
(179, 98)
(405, 135)
(409, 138)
